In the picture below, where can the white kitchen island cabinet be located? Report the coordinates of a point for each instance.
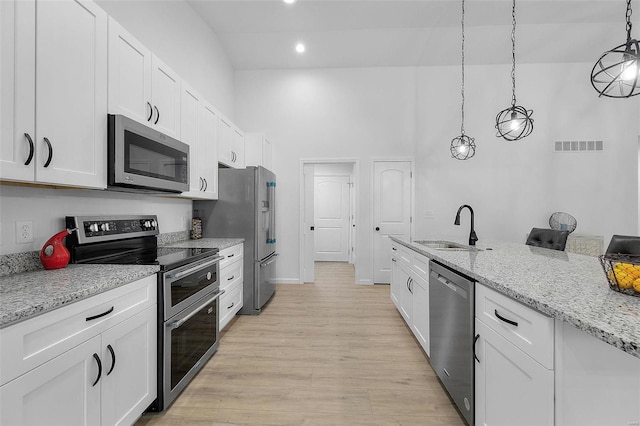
(54, 93)
(141, 86)
(231, 282)
(92, 362)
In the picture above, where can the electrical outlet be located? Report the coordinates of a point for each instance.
(24, 231)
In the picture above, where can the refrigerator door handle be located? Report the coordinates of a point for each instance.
(271, 232)
(269, 260)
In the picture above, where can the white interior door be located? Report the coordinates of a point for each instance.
(308, 227)
(332, 213)
(391, 212)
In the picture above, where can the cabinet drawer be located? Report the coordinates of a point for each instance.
(231, 254)
(420, 265)
(230, 303)
(230, 275)
(31, 343)
(526, 328)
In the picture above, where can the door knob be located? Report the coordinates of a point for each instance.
(377, 228)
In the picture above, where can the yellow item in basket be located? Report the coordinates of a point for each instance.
(625, 280)
(628, 268)
(636, 285)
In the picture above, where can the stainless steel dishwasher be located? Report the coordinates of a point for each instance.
(451, 326)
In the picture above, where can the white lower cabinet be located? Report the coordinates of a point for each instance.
(108, 377)
(410, 291)
(231, 281)
(511, 388)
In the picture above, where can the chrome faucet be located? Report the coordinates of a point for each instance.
(472, 235)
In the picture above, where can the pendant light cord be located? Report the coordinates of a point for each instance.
(513, 54)
(462, 86)
(629, 25)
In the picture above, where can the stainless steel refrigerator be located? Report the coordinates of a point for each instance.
(246, 209)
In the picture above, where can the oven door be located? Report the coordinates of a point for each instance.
(184, 286)
(190, 339)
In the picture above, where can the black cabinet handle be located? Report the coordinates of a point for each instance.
(475, 339)
(201, 184)
(31, 148)
(231, 255)
(150, 111)
(393, 259)
(113, 359)
(501, 318)
(157, 114)
(232, 305)
(97, 358)
(100, 315)
(411, 285)
(231, 277)
(206, 185)
(46, 164)
(394, 249)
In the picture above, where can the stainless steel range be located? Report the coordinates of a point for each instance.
(188, 291)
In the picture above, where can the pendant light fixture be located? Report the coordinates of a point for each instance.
(617, 72)
(515, 122)
(463, 147)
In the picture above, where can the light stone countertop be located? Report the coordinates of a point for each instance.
(28, 294)
(566, 286)
(220, 243)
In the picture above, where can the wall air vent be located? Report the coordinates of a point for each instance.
(578, 146)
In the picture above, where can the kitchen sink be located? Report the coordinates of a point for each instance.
(445, 245)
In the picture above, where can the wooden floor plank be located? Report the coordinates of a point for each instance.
(329, 353)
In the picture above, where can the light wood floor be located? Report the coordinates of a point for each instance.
(326, 353)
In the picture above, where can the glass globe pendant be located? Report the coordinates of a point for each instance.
(462, 147)
(516, 122)
(617, 72)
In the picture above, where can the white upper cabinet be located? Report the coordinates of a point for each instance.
(230, 144)
(60, 48)
(199, 124)
(258, 150)
(141, 86)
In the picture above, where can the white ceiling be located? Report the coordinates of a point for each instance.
(261, 34)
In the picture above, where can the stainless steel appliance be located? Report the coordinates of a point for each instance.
(188, 291)
(451, 328)
(141, 158)
(246, 209)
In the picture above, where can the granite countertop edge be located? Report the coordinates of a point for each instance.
(607, 334)
(29, 294)
(219, 243)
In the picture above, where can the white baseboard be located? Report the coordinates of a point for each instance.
(364, 282)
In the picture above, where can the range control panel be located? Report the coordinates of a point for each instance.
(102, 228)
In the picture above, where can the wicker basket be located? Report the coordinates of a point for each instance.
(622, 272)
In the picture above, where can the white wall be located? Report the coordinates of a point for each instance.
(175, 33)
(360, 114)
(396, 112)
(514, 186)
(47, 207)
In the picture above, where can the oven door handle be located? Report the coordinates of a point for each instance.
(177, 324)
(189, 271)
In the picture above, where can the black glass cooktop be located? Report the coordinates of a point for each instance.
(167, 257)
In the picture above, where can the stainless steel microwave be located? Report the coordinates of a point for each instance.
(141, 158)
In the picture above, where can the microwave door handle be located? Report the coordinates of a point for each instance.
(177, 324)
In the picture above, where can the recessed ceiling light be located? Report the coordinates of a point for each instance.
(289, 1)
(300, 48)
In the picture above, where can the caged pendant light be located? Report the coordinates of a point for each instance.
(617, 72)
(463, 147)
(515, 122)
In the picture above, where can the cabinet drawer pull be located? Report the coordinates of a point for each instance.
(157, 114)
(232, 305)
(113, 359)
(97, 358)
(46, 164)
(150, 111)
(394, 249)
(231, 255)
(201, 184)
(100, 315)
(475, 339)
(31, 148)
(393, 259)
(501, 318)
(231, 277)
(206, 185)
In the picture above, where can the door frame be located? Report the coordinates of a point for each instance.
(301, 230)
(412, 203)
